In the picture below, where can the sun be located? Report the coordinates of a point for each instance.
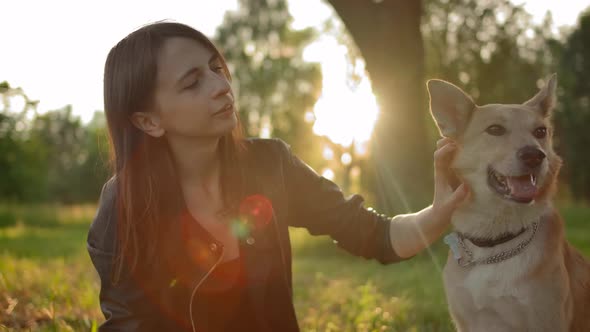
(346, 116)
(343, 113)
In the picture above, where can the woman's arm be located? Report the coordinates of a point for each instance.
(124, 305)
(411, 233)
(319, 205)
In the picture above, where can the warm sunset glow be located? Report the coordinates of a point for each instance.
(328, 173)
(343, 113)
(74, 74)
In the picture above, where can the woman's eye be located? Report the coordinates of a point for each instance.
(192, 85)
(496, 130)
(540, 132)
(218, 69)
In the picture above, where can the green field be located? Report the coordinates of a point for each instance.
(47, 282)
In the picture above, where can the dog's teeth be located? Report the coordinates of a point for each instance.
(533, 180)
(500, 178)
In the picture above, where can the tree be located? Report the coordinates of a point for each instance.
(274, 87)
(93, 166)
(50, 156)
(19, 161)
(573, 114)
(480, 45)
(388, 36)
(62, 137)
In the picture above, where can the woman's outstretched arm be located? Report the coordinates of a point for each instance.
(411, 233)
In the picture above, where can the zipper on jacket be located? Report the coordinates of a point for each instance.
(194, 292)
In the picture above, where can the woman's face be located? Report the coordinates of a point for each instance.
(193, 95)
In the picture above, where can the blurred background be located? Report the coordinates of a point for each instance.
(342, 81)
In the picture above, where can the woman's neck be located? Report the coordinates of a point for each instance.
(197, 161)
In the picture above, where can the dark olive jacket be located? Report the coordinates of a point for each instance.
(157, 298)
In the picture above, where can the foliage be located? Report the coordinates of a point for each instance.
(18, 162)
(50, 156)
(573, 114)
(274, 87)
(491, 49)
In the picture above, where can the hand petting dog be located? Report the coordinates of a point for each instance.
(411, 233)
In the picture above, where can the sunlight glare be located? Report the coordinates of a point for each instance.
(328, 153)
(265, 127)
(328, 173)
(346, 159)
(343, 114)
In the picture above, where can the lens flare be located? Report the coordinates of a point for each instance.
(256, 210)
(240, 228)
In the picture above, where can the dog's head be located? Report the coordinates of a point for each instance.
(506, 153)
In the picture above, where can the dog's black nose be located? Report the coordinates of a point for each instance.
(530, 156)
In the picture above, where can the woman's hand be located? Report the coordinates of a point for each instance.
(411, 233)
(449, 192)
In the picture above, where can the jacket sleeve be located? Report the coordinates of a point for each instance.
(320, 206)
(123, 304)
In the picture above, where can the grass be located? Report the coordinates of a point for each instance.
(47, 282)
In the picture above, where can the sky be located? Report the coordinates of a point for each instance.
(55, 50)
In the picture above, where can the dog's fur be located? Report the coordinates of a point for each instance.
(546, 287)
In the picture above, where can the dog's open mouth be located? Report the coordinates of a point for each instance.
(521, 188)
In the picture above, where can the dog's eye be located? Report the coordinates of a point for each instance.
(540, 132)
(496, 130)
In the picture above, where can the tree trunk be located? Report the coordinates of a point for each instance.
(388, 35)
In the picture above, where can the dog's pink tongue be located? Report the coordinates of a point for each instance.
(522, 187)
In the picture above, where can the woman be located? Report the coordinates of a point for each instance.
(191, 232)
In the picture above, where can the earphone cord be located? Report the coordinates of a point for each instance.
(190, 307)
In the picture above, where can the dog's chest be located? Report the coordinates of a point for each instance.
(485, 285)
(518, 291)
(497, 282)
(497, 273)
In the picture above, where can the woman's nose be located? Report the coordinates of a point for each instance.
(221, 85)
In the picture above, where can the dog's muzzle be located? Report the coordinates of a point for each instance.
(531, 157)
(521, 188)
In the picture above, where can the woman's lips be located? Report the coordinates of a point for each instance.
(225, 110)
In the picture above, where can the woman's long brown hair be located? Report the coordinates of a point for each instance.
(148, 193)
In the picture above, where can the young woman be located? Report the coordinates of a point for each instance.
(191, 232)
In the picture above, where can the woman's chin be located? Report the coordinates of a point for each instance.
(230, 123)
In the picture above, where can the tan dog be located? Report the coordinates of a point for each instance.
(510, 267)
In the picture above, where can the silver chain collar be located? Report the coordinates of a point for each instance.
(499, 257)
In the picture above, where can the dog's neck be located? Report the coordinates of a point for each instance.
(493, 241)
(492, 221)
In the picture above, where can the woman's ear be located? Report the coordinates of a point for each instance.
(148, 122)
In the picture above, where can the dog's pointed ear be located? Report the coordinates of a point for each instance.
(451, 108)
(544, 100)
